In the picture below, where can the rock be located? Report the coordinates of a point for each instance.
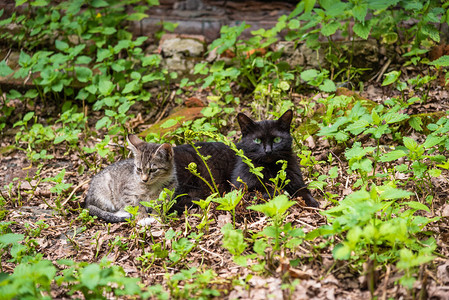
(184, 46)
(181, 52)
(365, 54)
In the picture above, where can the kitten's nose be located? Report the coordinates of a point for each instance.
(144, 177)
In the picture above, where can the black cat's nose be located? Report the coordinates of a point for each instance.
(268, 149)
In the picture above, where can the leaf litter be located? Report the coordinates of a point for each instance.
(315, 274)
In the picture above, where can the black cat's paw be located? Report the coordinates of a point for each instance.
(310, 201)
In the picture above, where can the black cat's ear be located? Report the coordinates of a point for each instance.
(285, 120)
(134, 142)
(246, 124)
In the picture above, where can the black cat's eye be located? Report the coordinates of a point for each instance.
(257, 141)
(277, 139)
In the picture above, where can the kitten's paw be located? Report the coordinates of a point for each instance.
(146, 221)
(123, 214)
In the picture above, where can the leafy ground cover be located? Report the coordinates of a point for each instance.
(375, 154)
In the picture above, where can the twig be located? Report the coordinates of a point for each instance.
(74, 190)
(211, 253)
(382, 71)
(304, 223)
(387, 277)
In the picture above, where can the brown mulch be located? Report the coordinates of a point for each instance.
(319, 275)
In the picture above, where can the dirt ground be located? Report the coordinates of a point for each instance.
(320, 276)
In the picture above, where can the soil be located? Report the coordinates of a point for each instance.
(29, 199)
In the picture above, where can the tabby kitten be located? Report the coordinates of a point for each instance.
(130, 181)
(190, 187)
(265, 143)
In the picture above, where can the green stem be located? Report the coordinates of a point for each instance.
(215, 188)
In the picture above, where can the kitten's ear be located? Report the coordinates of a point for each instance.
(134, 142)
(166, 150)
(246, 124)
(285, 120)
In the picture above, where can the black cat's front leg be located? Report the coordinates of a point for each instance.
(297, 188)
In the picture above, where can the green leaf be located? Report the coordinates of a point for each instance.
(83, 60)
(90, 276)
(10, 238)
(308, 5)
(391, 77)
(334, 8)
(103, 122)
(20, 2)
(416, 205)
(28, 116)
(393, 155)
(392, 193)
(359, 11)
(341, 251)
(60, 45)
(99, 3)
(308, 75)
(169, 123)
(130, 86)
(233, 240)
(5, 70)
(435, 172)
(31, 94)
(108, 30)
(357, 127)
(102, 54)
(363, 30)
(432, 140)
(38, 3)
(431, 31)
(275, 207)
(330, 28)
(389, 38)
(105, 86)
(136, 16)
(415, 123)
(328, 86)
(443, 61)
(391, 118)
(410, 143)
(83, 74)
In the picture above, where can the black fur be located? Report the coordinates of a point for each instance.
(226, 167)
(221, 162)
(265, 143)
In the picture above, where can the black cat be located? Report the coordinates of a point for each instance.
(221, 163)
(265, 143)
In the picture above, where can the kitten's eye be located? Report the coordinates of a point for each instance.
(152, 170)
(277, 139)
(257, 141)
(139, 169)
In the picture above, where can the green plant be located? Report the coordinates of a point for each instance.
(96, 281)
(85, 218)
(161, 206)
(29, 280)
(229, 202)
(364, 222)
(60, 188)
(38, 227)
(269, 243)
(192, 284)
